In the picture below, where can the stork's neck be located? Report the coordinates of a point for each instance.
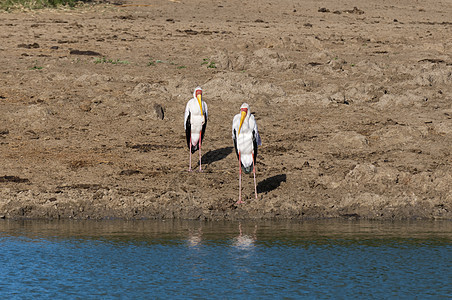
(196, 108)
(246, 123)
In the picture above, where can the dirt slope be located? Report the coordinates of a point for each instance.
(352, 99)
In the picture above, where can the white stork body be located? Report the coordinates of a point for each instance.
(246, 140)
(195, 121)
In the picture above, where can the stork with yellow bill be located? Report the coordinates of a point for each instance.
(246, 139)
(195, 122)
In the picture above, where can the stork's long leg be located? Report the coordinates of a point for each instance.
(240, 182)
(200, 152)
(189, 166)
(254, 173)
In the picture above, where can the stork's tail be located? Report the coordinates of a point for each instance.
(247, 170)
(194, 148)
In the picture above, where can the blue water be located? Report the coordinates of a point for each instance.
(166, 259)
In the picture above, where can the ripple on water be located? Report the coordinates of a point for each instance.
(226, 259)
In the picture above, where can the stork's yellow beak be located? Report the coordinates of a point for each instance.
(242, 117)
(199, 101)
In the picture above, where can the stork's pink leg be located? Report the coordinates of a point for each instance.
(189, 166)
(200, 152)
(240, 182)
(254, 173)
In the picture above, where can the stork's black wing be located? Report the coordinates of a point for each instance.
(204, 127)
(255, 146)
(188, 130)
(234, 138)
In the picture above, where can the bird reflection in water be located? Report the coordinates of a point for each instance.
(194, 237)
(245, 241)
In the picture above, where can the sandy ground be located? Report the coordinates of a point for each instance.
(352, 99)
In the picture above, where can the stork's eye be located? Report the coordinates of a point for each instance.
(198, 92)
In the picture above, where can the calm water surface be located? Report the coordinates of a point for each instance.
(182, 259)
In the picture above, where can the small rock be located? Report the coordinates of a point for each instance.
(355, 10)
(191, 32)
(159, 111)
(85, 106)
(84, 52)
(14, 179)
(129, 172)
(28, 46)
(31, 134)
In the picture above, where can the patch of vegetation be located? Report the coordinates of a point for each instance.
(154, 62)
(210, 64)
(36, 67)
(38, 4)
(104, 60)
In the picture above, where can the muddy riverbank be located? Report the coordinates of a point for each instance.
(352, 99)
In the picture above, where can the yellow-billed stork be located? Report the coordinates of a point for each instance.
(246, 139)
(195, 122)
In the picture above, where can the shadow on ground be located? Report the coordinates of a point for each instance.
(216, 155)
(271, 183)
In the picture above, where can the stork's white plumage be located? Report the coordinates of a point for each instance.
(195, 122)
(246, 140)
